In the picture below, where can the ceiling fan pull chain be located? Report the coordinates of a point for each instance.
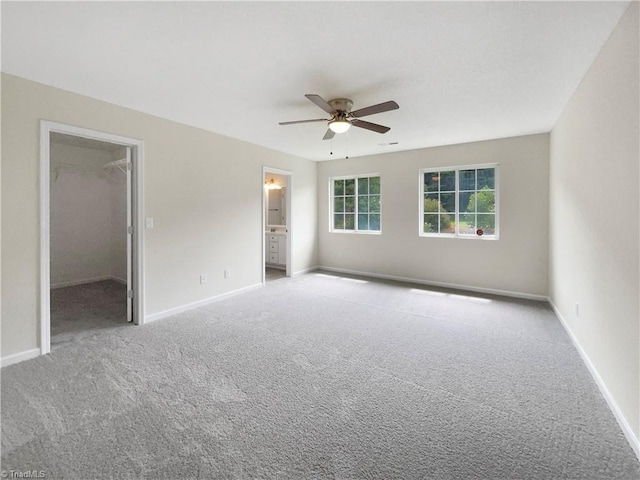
(347, 155)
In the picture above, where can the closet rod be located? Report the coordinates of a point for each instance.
(117, 164)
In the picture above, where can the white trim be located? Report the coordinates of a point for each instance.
(200, 303)
(305, 270)
(137, 147)
(20, 357)
(490, 291)
(634, 442)
(45, 239)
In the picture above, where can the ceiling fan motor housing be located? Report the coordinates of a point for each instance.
(341, 105)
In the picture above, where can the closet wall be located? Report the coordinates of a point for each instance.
(88, 216)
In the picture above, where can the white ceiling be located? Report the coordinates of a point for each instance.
(460, 71)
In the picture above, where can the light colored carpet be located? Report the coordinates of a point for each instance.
(319, 377)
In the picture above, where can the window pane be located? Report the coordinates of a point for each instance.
(338, 187)
(374, 221)
(363, 204)
(447, 224)
(349, 221)
(447, 181)
(487, 222)
(363, 186)
(467, 202)
(338, 204)
(350, 187)
(374, 203)
(448, 202)
(487, 178)
(431, 203)
(431, 223)
(349, 204)
(338, 222)
(467, 224)
(363, 221)
(431, 181)
(467, 179)
(486, 201)
(374, 185)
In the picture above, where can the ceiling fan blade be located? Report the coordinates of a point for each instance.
(370, 126)
(319, 101)
(379, 108)
(329, 135)
(305, 121)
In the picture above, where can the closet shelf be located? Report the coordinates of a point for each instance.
(100, 171)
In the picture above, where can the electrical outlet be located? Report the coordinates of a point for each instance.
(577, 310)
(203, 279)
(227, 273)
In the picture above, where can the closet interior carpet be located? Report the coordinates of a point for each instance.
(84, 310)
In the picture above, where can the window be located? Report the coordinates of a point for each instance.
(355, 204)
(459, 201)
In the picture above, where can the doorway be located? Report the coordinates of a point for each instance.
(276, 222)
(91, 240)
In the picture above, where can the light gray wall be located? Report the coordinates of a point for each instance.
(515, 263)
(594, 225)
(204, 191)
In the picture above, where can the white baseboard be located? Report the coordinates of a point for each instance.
(490, 291)
(123, 281)
(617, 413)
(200, 303)
(20, 357)
(277, 266)
(304, 270)
(75, 283)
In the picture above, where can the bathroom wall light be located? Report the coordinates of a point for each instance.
(272, 185)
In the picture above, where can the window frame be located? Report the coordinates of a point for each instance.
(457, 169)
(332, 180)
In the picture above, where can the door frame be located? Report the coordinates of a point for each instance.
(137, 211)
(289, 237)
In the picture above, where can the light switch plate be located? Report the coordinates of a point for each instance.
(149, 222)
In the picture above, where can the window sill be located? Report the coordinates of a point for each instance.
(357, 232)
(463, 237)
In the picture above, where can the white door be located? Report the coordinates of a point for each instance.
(129, 239)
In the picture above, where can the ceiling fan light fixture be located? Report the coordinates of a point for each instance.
(340, 125)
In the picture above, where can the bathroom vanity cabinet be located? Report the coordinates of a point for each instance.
(276, 249)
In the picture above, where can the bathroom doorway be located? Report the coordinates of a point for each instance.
(276, 208)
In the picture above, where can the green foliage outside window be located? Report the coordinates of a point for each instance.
(459, 201)
(356, 204)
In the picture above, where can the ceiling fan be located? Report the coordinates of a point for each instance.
(342, 117)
